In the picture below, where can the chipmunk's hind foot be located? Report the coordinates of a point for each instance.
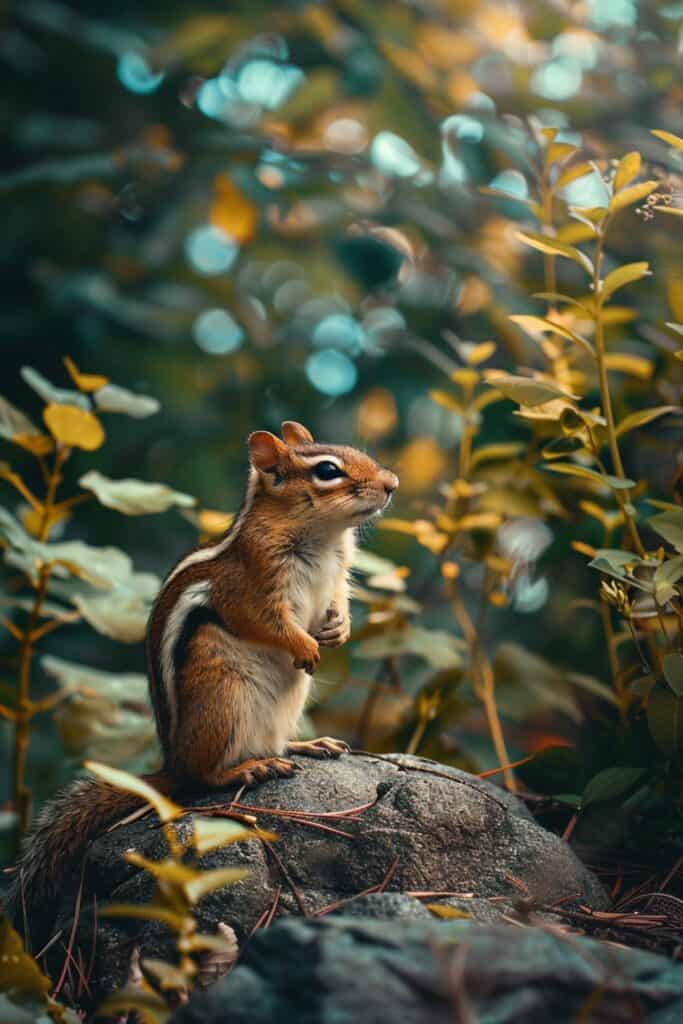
(324, 746)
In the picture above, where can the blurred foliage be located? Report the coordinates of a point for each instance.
(446, 231)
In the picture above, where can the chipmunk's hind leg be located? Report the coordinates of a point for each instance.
(218, 720)
(324, 746)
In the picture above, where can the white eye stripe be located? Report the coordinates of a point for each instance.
(327, 484)
(314, 460)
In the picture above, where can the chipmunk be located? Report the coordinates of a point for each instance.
(232, 641)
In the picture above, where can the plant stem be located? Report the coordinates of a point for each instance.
(21, 793)
(622, 496)
(484, 686)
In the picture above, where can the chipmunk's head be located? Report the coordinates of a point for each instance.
(320, 482)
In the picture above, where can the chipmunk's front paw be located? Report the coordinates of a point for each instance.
(335, 630)
(308, 655)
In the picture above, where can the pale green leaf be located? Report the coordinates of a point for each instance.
(672, 666)
(165, 808)
(610, 783)
(537, 324)
(112, 398)
(526, 390)
(51, 394)
(134, 497)
(571, 469)
(75, 678)
(669, 525)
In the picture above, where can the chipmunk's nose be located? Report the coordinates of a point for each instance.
(389, 482)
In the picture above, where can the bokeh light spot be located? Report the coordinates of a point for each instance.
(340, 331)
(217, 333)
(266, 83)
(393, 156)
(512, 183)
(210, 250)
(558, 79)
(331, 372)
(133, 72)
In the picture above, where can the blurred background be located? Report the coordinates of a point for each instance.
(264, 211)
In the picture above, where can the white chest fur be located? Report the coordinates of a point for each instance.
(314, 577)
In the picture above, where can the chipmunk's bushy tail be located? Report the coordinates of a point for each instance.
(56, 844)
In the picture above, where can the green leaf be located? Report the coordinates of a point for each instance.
(666, 577)
(112, 398)
(13, 421)
(622, 276)
(547, 244)
(81, 679)
(134, 497)
(665, 720)
(585, 473)
(642, 417)
(669, 525)
(672, 665)
(438, 648)
(526, 390)
(610, 783)
(535, 324)
(165, 808)
(631, 195)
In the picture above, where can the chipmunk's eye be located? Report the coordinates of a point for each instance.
(328, 471)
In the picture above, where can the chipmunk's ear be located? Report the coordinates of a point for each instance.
(295, 433)
(266, 451)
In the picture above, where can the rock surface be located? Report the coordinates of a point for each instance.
(343, 970)
(419, 827)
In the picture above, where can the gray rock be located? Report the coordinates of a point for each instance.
(427, 828)
(342, 970)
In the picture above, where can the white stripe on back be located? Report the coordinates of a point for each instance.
(197, 595)
(205, 554)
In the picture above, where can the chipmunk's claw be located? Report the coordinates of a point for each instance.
(323, 747)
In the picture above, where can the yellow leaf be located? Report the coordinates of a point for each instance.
(635, 366)
(528, 391)
(553, 247)
(232, 212)
(449, 913)
(209, 881)
(447, 401)
(74, 427)
(84, 381)
(572, 173)
(584, 549)
(116, 777)
(466, 377)
(558, 151)
(676, 211)
(674, 140)
(627, 196)
(627, 274)
(479, 353)
(639, 419)
(37, 444)
(629, 167)
(212, 522)
(213, 833)
(493, 452)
